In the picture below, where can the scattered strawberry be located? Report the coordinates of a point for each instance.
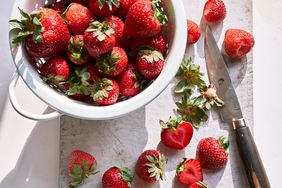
(238, 43)
(103, 8)
(119, 177)
(214, 11)
(124, 7)
(81, 166)
(78, 18)
(150, 166)
(112, 63)
(99, 38)
(198, 185)
(77, 53)
(83, 2)
(189, 171)
(193, 32)
(211, 152)
(144, 19)
(129, 81)
(176, 133)
(44, 31)
(150, 63)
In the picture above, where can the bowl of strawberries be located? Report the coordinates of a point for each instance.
(95, 59)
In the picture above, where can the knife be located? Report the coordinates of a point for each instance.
(231, 113)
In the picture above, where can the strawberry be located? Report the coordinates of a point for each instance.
(150, 166)
(83, 2)
(119, 177)
(198, 185)
(176, 133)
(55, 70)
(214, 11)
(156, 42)
(77, 53)
(112, 63)
(238, 43)
(150, 63)
(124, 7)
(144, 19)
(103, 8)
(129, 81)
(105, 91)
(60, 6)
(81, 166)
(189, 171)
(193, 32)
(211, 152)
(99, 38)
(44, 32)
(78, 18)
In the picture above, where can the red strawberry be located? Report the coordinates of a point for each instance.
(189, 171)
(59, 6)
(78, 18)
(214, 11)
(176, 133)
(193, 32)
(55, 70)
(238, 43)
(44, 31)
(144, 19)
(119, 177)
(211, 152)
(124, 7)
(129, 81)
(77, 53)
(156, 42)
(113, 63)
(99, 38)
(105, 91)
(81, 166)
(150, 166)
(83, 2)
(198, 185)
(103, 8)
(75, 90)
(150, 63)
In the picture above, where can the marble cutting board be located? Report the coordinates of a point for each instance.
(120, 141)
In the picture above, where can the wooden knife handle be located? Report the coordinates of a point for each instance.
(250, 156)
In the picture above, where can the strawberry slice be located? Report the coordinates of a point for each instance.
(189, 171)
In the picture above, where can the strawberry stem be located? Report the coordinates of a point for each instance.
(224, 142)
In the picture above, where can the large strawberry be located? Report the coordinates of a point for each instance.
(103, 8)
(150, 63)
(81, 166)
(214, 11)
(211, 152)
(144, 19)
(78, 18)
(124, 7)
(193, 32)
(44, 31)
(112, 63)
(189, 171)
(99, 38)
(150, 166)
(119, 177)
(77, 53)
(176, 133)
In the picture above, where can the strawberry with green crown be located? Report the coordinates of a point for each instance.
(119, 177)
(103, 8)
(77, 53)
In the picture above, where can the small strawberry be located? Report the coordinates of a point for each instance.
(81, 166)
(238, 43)
(150, 166)
(193, 32)
(198, 185)
(214, 11)
(105, 91)
(150, 63)
(60, 6)
(129, 81)
(78, 18)
(99, 38)
(156, 42)
(112, 63)
(189, 171)
(77, 53)
(75, 90)
(144, 19)
(176, 133)
(83, 2)
(124, 7)
(119, 177)
(211, 152)
(103, 8)
(44, 32)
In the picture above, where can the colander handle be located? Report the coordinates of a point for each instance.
(21, 111)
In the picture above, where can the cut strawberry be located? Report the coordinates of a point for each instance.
(189, 171)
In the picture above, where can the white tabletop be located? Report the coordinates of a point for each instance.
(30, 150)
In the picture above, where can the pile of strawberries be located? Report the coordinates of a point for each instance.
(99, 51)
